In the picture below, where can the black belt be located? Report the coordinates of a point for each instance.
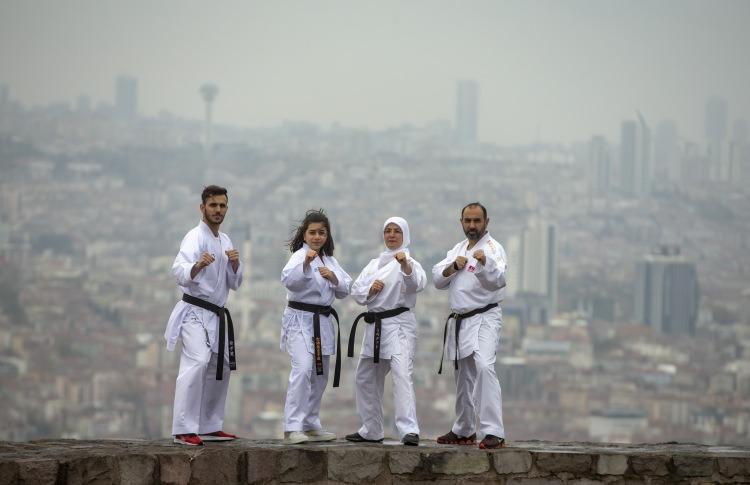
(459, 317)
(225, 322)
(376, 318)
(317, 311)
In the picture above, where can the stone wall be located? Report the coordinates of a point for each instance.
(252, 461)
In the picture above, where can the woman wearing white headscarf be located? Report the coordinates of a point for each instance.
(388, 286)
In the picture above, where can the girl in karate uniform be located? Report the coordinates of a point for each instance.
(313, 279)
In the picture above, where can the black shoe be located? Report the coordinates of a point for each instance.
(357, 438)
(490, 442)
(410, 439)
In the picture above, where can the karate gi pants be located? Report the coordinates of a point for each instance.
(199, 398)
(370, 379)
(305, 389)
(478, 393)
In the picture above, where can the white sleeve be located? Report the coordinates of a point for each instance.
(345, 281)
(417, 280)
(361, 286)
(441, 282)
(187, 257)
(234, 280)
(492, 275)
(293, 277)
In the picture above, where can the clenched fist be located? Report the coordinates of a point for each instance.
(377, 287)
(328, 274)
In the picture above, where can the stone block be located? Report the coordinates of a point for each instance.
(532, 481)
(511, 461)
(137, 469)
(303, 465)
(262, 465)
(557, 462)
(37, 472)
(731, 466)
(355, 465)
(401, 462)
(693, 465)
(214, 465)
(455, 462)
(174, 468)
(612, 464)
(644, 465)
(8, 472)
(92, 470)
(401, 480)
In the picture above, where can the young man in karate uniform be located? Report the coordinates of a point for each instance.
(206, 268)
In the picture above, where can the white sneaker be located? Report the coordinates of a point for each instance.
(319, 435)
(295, 437)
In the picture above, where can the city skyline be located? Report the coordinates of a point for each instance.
(558, 72)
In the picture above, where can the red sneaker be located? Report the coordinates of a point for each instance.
(191, 439)
(218, 436)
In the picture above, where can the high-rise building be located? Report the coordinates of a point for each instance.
(740, 153)
(636, 173)
(667, 152)
(666, 292)
(717, 150)
(740, 131)
(599, 166)
(126, 97)
(533, 270)
(4, 95)
(208, 93)
(627, 158)
(716, 119)
(83, 104)
(467, 112)
(242, 300)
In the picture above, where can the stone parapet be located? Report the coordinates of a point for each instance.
(243, 462)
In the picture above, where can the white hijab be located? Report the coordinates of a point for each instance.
(388, 255)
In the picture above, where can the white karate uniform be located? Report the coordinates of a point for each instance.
(305, 391)
(398, 339)
(475, 286)
(199, 398)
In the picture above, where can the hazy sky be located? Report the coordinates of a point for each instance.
(569, 68)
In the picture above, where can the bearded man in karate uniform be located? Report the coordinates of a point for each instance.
(206, 268)
(473, 272)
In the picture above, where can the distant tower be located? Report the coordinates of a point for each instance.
(244, 295)
(667, 152)
(740, 131)
(716, 132)
(539, 262)
(467, 112)
(209, 92)
(4, 96)
(627, 158)
(716, 119)
(126, 97)
(598, 167)
(635, 158)
(740, 153)
(666, 292)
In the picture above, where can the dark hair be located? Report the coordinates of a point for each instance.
(312, 216)
(212, 190)
(474, 204)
